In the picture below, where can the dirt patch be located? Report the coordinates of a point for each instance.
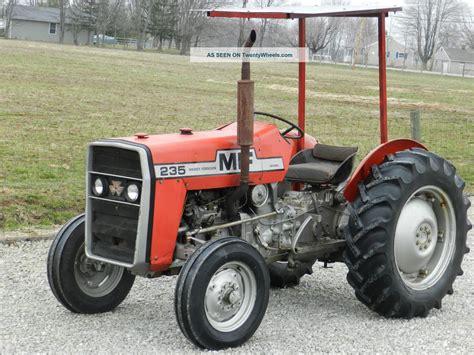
(359, 99)
(390, 89)
(29, 234)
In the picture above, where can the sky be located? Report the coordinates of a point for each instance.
(392, 28)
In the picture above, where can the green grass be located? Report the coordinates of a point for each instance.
(55, 99)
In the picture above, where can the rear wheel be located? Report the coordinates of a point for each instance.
(83, 285)
(407, 234)
(222, 294)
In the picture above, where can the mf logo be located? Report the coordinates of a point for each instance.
(230, 160)
(116, 188)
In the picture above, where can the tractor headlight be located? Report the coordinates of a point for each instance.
(99, 186)
(132, 193)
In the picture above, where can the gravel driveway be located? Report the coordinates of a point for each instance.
(321, 314)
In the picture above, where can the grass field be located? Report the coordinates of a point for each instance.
(55, 99)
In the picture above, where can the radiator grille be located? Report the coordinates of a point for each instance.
(116, 161)
(114, 220)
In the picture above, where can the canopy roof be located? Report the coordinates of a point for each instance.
(301, 13)
(290, 12)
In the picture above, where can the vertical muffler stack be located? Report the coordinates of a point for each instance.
(245, 109)
(245, 97)
(245, 114)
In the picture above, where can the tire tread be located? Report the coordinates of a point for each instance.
(366, 257)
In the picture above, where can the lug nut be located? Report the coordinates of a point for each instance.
(423, 272)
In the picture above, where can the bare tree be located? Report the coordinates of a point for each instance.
(163, 19)
(320, 32)
(62, 19)
(451, 35)
(79, 18)
(140, 10)
(191, 22)
(242, 36)
(107, 13)
(264, 21)
(8, 12)
(425, 19)
(336, 47)
(467, 26)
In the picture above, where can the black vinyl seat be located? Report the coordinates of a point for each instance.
(322, 165)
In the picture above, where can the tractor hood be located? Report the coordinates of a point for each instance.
(189, 146)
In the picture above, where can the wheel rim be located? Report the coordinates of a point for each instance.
(95, 278)
(425, 237)
(230, 296)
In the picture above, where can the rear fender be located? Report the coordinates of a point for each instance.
(375, 157)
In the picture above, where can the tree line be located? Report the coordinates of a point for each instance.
(425, 25)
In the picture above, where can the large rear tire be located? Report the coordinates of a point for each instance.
(222, 294)
(80, 284)
(407, 234)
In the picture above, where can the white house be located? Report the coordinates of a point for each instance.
(398, 55)
(42, 24)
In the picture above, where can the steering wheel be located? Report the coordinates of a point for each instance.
(286, 131)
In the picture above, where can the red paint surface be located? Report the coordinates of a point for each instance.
(168, 210)
(202, 147)
(231, 14)
(375, 157)
(383, 80)
(170, 194)
(301, 81)
(295, 12)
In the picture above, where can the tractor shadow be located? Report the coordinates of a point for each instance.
(325, 293)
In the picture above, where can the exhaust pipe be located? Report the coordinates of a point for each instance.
(245, 114)
(245, 109)
(245, 75)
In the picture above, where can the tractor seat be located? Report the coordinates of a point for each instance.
(322, 165)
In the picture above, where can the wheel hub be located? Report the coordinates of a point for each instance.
(414, 244)
(95, 278)
(230, 296)
(223, 295)
(424, 237)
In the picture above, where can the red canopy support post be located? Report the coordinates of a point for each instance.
(301, 79)
(383, 80)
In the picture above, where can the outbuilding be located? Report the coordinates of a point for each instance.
(454, 61)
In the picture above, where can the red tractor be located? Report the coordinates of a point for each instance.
(246, 205)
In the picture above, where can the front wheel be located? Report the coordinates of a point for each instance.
(80, 284)
(222, 294)
(407, 234)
